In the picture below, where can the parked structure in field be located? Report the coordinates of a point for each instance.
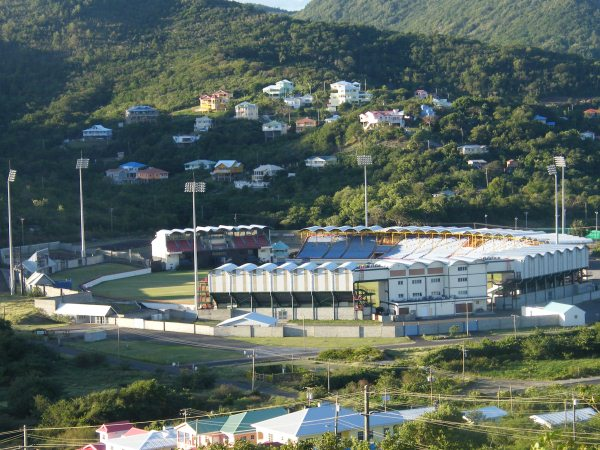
(281, 89)
(141, 114)
(372, 119)
(246, 110)
(410, 272)
(97, 132)
(345, 92)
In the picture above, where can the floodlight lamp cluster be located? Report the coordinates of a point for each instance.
(192, 186)
(12, 174)
(552, 169)
(82, 163)
(364, 160)
(559, 161)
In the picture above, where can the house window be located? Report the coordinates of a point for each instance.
(463, 292)
(270, 438)
(361, 435)
(282, 314)
(436, 293)
(418, 294)
(400, 295)
(462, 279)
(462, 268)
(252, 436)
(400, 282)
(416, 281)
(436, 280)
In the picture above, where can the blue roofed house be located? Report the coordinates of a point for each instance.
(199, 433)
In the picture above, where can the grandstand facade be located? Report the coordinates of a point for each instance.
(408, 272)
(216, 245)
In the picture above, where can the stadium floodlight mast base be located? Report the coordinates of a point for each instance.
(12, 174)
(365, 160)
(552, 171)
(560, 162)
(82, 163)
(193, 187)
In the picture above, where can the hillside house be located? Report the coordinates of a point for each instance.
(591, 113)
(217, 101)
(152, 174)
(427, 112)
(372, 119)
(246, 110)
(118, 175)
(241, 184)
(299, 101)
(421, 93)
(185, 139)
(587, 135)
(281, 89)
(446, 193)
(540, 119)
(306, 123)
(141, 114)
(442, 103)
(473, 149)
(227, 170)
(266, 170)
(200, 433)
(125, 173)
(203, 164)
(274, 129)
(511, 165)
(97, 132)
(346, 92)
(477, 163)
(202, 124)
(318, 162)
(333, 118)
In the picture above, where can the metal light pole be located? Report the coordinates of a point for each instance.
(193, 187)
(552, 171)
(252, 354)
(12, 174)
(596, 212)
(365, 160)
(516, 221)
(559, 161)
(485, 217)
(82, 163)
(526, 214)
(21, 279)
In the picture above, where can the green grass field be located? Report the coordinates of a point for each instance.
(545, 369)
(155, 352)
(160, 286)
(22, 314)
(88, 273)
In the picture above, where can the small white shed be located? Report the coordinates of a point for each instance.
(569, 315)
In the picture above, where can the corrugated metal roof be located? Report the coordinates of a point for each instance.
(80, 309)
(550, 420)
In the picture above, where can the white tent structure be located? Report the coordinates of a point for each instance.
(249, 319)
(569, 315)
(559, 418)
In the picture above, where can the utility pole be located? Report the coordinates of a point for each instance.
(253, 356)
(118, 341)
(467, 322)
(514, 317)
(328, 378)
(574, 404)
(366, 413)
(463, 360)
(337, 415)
(430, 379)
(24, 437)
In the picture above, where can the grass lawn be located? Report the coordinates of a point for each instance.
(23, 316)
(82, 274)
(545, 369)
(160, 286)
(155, 352)
(320, 342)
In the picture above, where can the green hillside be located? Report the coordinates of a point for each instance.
(559, 25)
(69, 64)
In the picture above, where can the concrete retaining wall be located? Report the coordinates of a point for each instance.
(176, 327)
(116, 276)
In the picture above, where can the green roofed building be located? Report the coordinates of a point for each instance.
(223, 430)
(594, 235)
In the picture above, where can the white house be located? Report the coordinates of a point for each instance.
(559, 418)
(241, 184)
(421, 93)
(203, 124)
(265, 170)
(473, 149)
(588, 135)
(320, 161)
(372, 119)
(333, 118)
(280, 89)
(246, 110)
(154, 440)
(274, 129)
(97, 132)
(442, 103)
(185, 139)
(569, 315)
(86, 313)
(299, 101)
(204, 164)
(477, 163)
(346, 92)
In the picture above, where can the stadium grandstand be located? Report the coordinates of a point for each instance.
(216, 245)
(410, 272)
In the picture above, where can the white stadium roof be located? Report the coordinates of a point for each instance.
(210, 229)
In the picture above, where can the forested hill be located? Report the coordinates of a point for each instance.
(66, 65)
(559, 25)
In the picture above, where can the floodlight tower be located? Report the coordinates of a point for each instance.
(82, 163)
(193, 187)
(12, 174)
(559, 161)
(365, 160)
(552, 171)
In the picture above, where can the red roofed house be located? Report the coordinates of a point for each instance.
(371, 119)
(305, 124)
(591, 113)
(152, 174)
(93, 447)
(113, 430)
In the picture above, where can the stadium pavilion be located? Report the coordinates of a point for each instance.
(409, 272)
